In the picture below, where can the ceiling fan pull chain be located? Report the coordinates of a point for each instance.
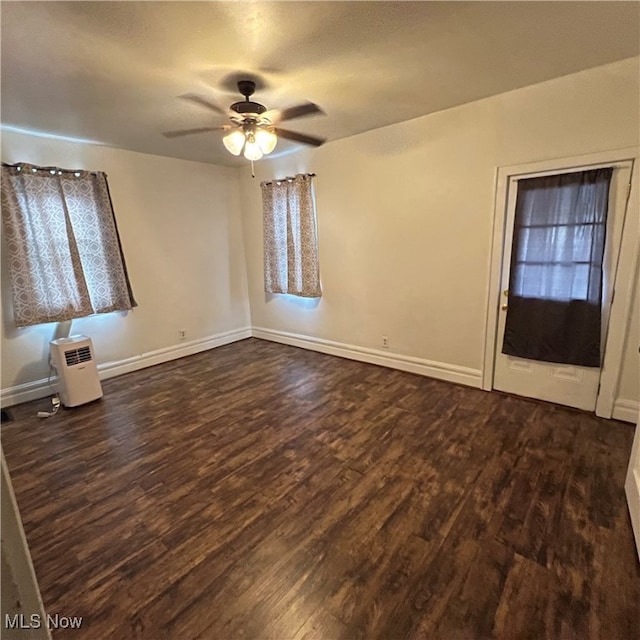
(253, 173)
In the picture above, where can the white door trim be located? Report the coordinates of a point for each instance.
(625, 276)
(632, 486)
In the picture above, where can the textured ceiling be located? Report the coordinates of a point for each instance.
(112, 71)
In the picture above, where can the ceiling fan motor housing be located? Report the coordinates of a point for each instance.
(246, 106)
(247, 89)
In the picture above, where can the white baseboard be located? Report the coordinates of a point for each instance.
(113, 369)
(40, 389)
(429, 368)
(626, 410)
(25, 392)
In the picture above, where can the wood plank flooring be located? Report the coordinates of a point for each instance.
(263, 491)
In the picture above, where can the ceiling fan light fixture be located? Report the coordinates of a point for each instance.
(234, 142)
(266, 140)
(253, 132)
(252, 149)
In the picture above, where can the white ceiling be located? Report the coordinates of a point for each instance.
(112, 71)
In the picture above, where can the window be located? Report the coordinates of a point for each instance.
(65, 257)
(290, 239)
(559, 236)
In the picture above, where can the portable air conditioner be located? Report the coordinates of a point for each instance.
(78, 381)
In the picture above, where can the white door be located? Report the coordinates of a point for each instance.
(632, 485)
(569, 385)
(20, 591)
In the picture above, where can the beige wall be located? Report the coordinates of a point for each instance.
(180, 227)
(405, 212)
(404, 221)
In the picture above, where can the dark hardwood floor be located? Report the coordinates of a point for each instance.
(263, 491)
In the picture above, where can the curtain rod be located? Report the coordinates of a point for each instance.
(52, 170)
(288, 178)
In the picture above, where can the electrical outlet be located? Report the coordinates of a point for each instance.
(385, 342)
(182, 333)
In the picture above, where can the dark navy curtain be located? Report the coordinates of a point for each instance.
(555, 283)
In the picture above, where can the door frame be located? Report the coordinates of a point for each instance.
(632, 486)
(627, 267)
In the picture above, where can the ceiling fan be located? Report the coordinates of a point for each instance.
(253, 132)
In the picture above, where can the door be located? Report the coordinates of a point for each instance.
(632, 485)
(20, 592)
(571, 385)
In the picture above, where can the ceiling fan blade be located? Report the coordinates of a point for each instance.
(280, 115)
(187, 132)
(299, 137)
(192, 97)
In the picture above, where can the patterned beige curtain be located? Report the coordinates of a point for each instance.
(65, 259)
(290, 240)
